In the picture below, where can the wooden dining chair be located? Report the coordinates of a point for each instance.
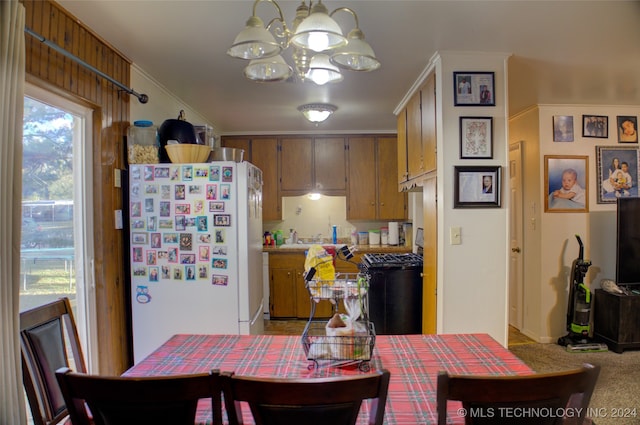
(117, 400)
(524, 399)
(308, 401)
(48, 340)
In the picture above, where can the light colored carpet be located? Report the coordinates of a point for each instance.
(617, 392)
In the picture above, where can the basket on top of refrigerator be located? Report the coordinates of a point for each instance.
(349, 335)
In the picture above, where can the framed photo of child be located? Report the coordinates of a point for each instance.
(618, 172)
(627, 129)
(566, 181)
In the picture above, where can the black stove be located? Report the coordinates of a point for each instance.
(390, 261)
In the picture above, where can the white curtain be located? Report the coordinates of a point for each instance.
(12, 75)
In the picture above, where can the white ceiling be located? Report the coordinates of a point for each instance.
(563, 52)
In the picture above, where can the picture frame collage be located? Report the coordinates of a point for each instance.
(617, 166)
(476, 186)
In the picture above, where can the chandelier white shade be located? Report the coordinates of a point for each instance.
(314, 32)
(322, 71)
(254, 42)
(317, 112)
(357, 55)
(318, 32)
(268, 69)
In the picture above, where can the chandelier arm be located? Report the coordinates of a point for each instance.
(351, 11)
(285, 33)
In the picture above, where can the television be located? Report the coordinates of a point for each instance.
(628, 242)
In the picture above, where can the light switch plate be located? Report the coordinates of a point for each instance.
(118, 217)
(455, 235)
(117, 178)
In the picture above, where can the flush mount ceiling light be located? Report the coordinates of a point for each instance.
(313, 31)
(317, 112)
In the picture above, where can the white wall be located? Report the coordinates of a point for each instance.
(472, 276)
(310, 218)
(551, 247)
(162, 104)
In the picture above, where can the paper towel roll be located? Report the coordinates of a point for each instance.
(394, 233)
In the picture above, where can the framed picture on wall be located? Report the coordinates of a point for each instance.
(476, 187)
(627, 129)
(476, 137)
(595, 126)
(563, 128)
(566, 182)
(474, 89)
(618, 172)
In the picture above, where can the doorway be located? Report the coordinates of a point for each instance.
(516, 267)
(56, 253)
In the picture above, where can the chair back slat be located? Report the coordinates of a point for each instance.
(336, 401)
(48, 340)
(502, 399)
(127, 400)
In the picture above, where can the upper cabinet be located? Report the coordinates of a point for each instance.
(372, 191)
(313, 164)
(417, 128)
(263, 153)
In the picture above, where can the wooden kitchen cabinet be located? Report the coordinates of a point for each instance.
(372, 191)
(243, 143)
(403, 165)
(417, 127)
(288, 296)
(263, 153)
(313, 164)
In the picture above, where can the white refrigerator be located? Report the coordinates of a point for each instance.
(195, 251)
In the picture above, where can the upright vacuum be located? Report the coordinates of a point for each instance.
(579, 309)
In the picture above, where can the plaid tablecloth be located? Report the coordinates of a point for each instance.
(413, 360)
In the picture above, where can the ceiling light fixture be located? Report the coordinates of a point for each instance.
(317, 112)
(313, 31)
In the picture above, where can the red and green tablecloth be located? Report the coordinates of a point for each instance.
(413, 360)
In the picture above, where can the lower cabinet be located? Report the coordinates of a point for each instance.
(288, 295)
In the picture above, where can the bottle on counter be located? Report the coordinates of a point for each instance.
(334, 234)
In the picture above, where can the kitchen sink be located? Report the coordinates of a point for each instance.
(308, 245)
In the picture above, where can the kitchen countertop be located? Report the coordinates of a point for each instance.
(359, 248)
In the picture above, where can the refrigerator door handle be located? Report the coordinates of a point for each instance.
(258, 314)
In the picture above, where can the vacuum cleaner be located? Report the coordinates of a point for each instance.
(579, 309)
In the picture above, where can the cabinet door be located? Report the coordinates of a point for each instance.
(296, 166)
(329, 163)
(239, 143)
(414, 138)
(264, 154)
(428, 123)
(403, 167)
(361, 199)
(282, 296)
(392, 204)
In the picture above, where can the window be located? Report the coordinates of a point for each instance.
(57, 237)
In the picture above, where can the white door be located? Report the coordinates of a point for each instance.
(516, 291)
(57, 229)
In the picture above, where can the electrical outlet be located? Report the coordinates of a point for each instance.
(455, 235)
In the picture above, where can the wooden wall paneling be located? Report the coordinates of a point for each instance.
(111, 115)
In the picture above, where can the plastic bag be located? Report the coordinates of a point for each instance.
(322, 262)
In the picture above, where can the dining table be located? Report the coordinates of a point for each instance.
(413, 360)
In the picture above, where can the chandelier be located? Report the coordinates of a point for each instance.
(319, 50)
